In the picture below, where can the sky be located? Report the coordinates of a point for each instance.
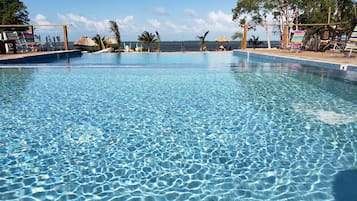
(175, 20)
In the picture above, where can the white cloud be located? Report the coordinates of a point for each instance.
(217, 22)
(190, 12)
(201, 22)
(220, 21)
(220, 16)
(176, 28)
(187, 26)
(128, 24)
(127, 20)
(85, 23)
(154, 23)
(41, 19)
(159, 11)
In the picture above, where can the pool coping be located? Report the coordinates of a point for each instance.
(38, 57)
(275, 55)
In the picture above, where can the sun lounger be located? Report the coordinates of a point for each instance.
(297, 40)
(11, 39)
(29, 40)
(351, 45)
(325, 40)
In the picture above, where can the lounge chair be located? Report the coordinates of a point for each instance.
(29, 40)
(325, 40)
(351, 44)
(11, 40)
(296, 40)
(138, 48)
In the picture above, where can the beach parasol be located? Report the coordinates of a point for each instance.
(85, 41)
(110, 41)
(222, 39)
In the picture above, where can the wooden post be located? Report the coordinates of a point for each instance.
(31, 29)
(65, 37)
(285, 36)
(329, 15)
(245, 32)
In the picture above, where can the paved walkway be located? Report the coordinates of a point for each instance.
(328, 56)
(37, 57)
(30, 54)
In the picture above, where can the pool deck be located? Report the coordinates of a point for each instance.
(37, 57)
(336, 60)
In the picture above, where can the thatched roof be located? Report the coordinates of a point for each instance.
(110, 41)
(222, 39)
(85, 41)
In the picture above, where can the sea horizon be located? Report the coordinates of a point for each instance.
(174, 46)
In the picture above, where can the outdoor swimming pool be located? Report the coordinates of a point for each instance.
(176, 126)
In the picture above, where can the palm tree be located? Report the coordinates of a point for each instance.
(114, 27)
(254, 41)
(158, 41)
(99, 41)
(203, 46)
(238, 35)
(147, 38)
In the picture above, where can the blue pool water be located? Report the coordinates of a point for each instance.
(176, 126)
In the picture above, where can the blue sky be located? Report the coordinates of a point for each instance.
(173, 19)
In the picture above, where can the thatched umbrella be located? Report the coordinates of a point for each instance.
(85, 41)
(222, 39)
(110, 41)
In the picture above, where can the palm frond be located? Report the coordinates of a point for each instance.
(147, 38)
(204, 36)
(158, 41)
(202, 41)
(114, 27)
(237, 35)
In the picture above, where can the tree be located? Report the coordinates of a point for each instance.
(99, 41)
(147, 38)
(114, 27)
(257, 9)
(346, 11)
(203, 46)
(342, 12)
(238, 35)
(287, 12)
(254, 42)
(316, 11)
(158, 41)
(13, 12)
(248, 7)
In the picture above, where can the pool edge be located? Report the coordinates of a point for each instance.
(39, 57)
(296, 59)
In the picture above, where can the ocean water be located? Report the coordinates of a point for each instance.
(173, 46)
(176, 126)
